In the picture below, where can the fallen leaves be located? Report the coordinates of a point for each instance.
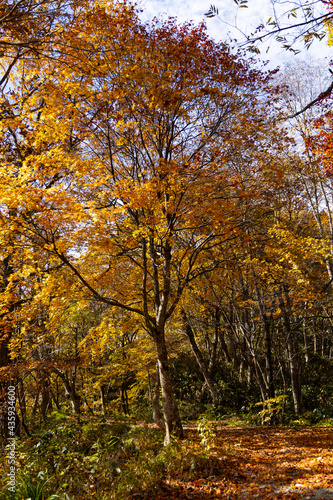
(263, 463)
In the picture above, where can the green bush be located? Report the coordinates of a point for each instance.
(29, 488)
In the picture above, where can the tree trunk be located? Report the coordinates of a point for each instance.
(170, 408)
(75, 400)
(35, 405)
(268, 360)
(70, 391)
(215, 342)
(292, 350)
(306, 344)
(55, 400)
(124, 398)
(155, 399)
(22, 400)
(103, 399)
(46, 401)
(199, 358)
(268, 344)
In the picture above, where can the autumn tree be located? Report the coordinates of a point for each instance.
(135, 171)
(30, 29)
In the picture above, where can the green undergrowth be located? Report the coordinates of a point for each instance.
(67, 459)
(70, 459)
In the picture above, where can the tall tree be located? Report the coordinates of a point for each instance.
(134, 174)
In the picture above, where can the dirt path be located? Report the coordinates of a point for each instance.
(264, 463)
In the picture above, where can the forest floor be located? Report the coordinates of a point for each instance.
(261, 462)
(117, 460)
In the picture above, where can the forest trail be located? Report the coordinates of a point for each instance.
(263, 463)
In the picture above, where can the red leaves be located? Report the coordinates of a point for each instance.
(329, 172)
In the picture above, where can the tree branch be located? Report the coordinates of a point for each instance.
(317, 99)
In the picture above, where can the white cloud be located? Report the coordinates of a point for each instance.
(247, 20)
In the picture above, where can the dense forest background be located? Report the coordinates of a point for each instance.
(166, 231)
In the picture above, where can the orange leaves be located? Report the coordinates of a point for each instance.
(265, 464)
(140, 153)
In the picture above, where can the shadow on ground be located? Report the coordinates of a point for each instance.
(262, 463)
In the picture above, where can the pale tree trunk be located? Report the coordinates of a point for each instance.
(306, 344)
(161, 282)
(76, 403)
(292, 350)
(206, 372)
(267, 321)
(70, 391)
(295, 379)
(253, 362)
(269, 361)
(103, 400)
(215, 342)
(170, 408)
(155, 399)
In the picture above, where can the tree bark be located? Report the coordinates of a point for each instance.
(292, 350)
(199, 358)
(46, 401)
(170, 408)
(267, 320)
(70, 391)
(103, 400)
(155, 399)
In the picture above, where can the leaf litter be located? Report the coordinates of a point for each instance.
(262, 463)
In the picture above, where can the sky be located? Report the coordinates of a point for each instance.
(247, 20)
